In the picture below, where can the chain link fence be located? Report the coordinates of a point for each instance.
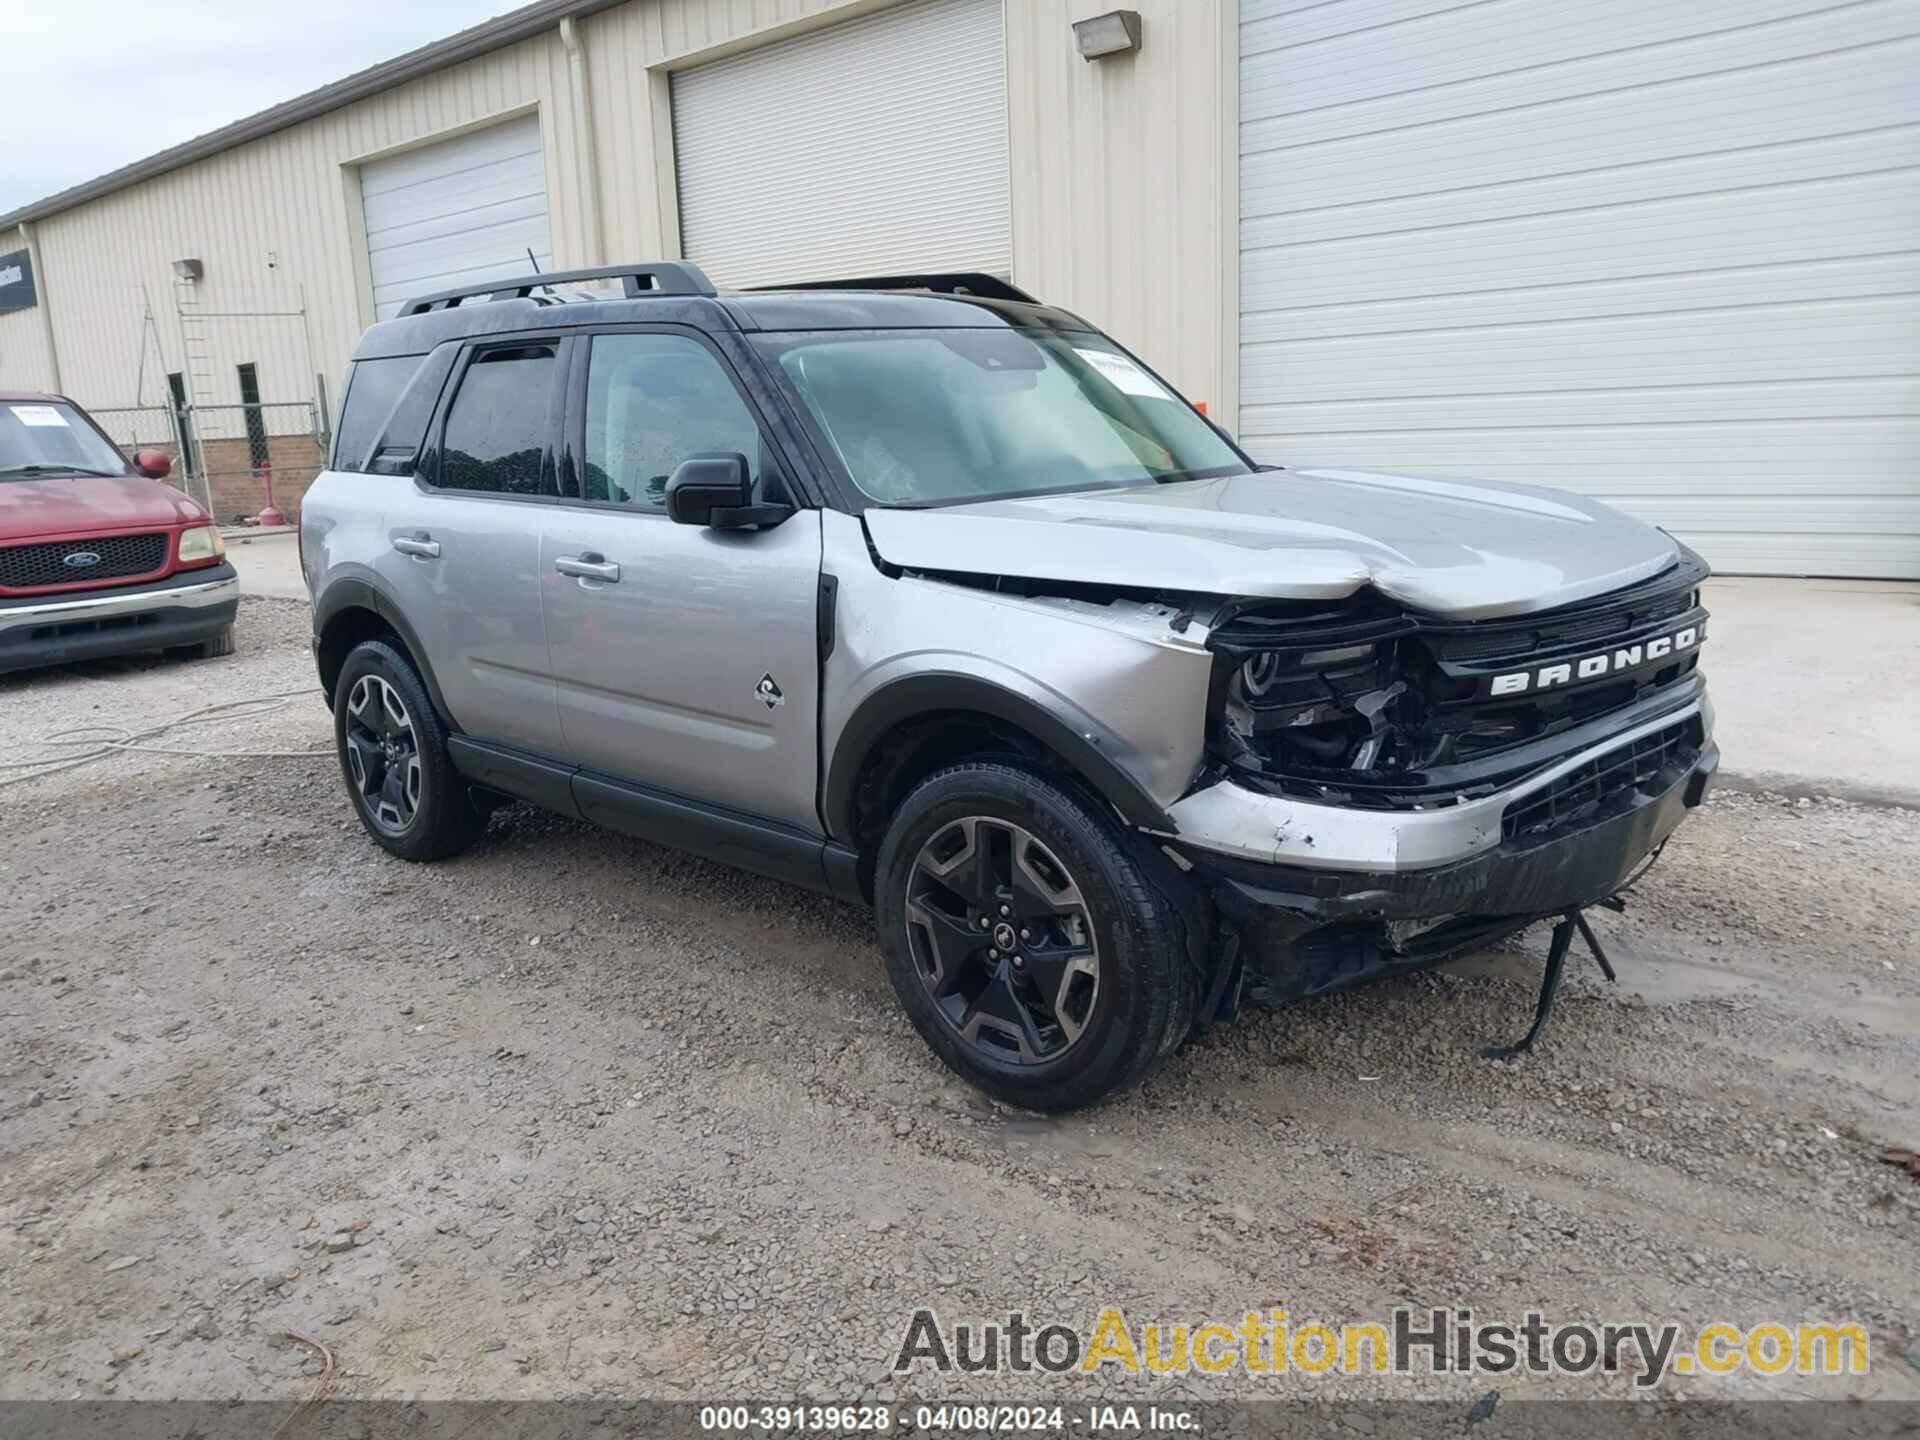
(235, 459)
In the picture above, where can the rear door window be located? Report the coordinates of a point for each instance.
(498, 427)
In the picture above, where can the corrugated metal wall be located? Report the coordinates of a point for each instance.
(1116, 183)
(1121, 202)
(271, 221)
(787, 172)
(1661, 253)
(23, 345)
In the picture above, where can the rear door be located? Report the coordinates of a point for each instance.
(463, 541)
(685, 658)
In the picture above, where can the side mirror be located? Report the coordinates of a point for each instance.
(154, 464)
(716, 490)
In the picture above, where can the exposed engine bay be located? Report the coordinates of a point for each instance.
(1368, 704)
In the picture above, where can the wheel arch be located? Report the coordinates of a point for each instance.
(920, 723)
(352, 611)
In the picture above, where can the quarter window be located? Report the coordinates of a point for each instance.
(372, 389)
(653, 400)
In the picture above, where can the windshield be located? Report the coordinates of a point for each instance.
(937, 417)
(50, 437)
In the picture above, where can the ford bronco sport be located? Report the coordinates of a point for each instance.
(97, 556)
(927, 595)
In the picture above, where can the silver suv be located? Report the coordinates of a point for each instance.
(932, 597)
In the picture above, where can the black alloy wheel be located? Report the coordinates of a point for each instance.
(383, 754)
(1002, 940)
(394, 757)
(1028, 937)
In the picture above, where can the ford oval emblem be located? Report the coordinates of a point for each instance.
(81, 559)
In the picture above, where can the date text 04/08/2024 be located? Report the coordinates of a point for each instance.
(967, 1418)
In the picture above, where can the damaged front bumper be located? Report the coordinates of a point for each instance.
(1325, 897)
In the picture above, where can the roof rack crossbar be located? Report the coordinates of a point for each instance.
(654, 277)
(958, 282)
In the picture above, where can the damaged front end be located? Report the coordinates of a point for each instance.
(1386, 788)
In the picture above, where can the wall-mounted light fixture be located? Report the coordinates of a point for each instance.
(1114, 33)
(188, 269)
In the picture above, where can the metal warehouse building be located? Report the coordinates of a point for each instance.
(1666, 254)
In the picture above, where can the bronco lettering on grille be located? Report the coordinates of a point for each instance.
(1592, 667)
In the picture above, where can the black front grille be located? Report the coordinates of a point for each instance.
(26, 567)
(1548, 635)
(1580, 792)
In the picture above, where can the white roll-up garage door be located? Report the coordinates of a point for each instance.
(1665, 254)
(878, 146)
(467, 209)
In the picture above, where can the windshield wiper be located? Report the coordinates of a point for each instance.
(40, 469)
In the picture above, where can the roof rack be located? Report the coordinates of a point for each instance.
(655, 277)
(987, 287)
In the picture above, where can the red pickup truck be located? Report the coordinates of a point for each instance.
(97, 555)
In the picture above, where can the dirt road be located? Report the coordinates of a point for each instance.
(577, 1116)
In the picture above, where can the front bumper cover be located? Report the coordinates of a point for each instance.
(183, 609)
(1309, 930)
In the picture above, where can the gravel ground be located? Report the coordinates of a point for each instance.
(575, 1116)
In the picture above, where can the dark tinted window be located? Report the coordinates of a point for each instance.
(653, 400)
(257, 453)
(372, 387)
(497, 425)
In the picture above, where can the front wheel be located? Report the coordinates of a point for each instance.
(1028, 945)
(393, 756)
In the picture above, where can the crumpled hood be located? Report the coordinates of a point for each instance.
(81, 504)
(1469, 549)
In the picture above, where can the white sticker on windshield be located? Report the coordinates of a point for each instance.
(40, 415)
(1127, 377)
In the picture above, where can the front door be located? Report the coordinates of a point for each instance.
(684, 658)
(463, 556)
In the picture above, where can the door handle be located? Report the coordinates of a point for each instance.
(421, 548)
(588, 565)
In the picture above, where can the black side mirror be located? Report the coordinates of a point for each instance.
(716, 490)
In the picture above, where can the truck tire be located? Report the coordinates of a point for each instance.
(219, 645)
(1030, 948)
(393, 757)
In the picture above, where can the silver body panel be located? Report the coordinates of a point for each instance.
(1116, 675)
(1276, 830)
(1470, 551)
(657, 671)
(475, 605)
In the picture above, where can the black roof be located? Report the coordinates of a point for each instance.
(681, 294)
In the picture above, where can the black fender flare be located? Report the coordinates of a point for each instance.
(356, 594)
(904, 699)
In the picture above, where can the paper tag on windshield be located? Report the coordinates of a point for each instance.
(39, 415)
(1126, 377)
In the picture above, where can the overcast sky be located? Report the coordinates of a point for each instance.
(92, 85)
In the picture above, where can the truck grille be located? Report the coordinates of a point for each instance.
(1579, 792)
(27, 567)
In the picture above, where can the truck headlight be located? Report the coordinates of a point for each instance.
(203, 542)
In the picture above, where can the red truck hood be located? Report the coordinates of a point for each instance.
(83, 504)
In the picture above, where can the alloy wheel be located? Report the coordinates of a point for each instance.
(1002, 939)
(383, 754)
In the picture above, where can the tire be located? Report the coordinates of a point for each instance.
(1073, 1038)
(393, 758)
(219, 645)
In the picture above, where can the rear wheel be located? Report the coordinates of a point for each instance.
(1028, 945)
(393, 756)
